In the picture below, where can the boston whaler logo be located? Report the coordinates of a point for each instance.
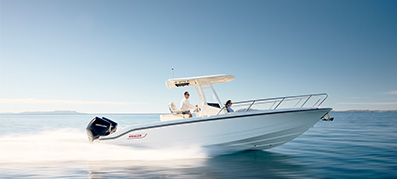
(136, 136)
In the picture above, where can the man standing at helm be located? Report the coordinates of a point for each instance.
(185, 104)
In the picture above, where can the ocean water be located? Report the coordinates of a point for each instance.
(354, 145)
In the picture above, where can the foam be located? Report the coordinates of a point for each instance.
(67, 145)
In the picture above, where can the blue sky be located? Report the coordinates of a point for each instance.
(114, 56)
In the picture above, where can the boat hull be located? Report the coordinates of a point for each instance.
(256, 130)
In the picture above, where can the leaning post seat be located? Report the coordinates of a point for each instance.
(175, 111)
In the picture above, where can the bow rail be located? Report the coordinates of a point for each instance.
(299, 101)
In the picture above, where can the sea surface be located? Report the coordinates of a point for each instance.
(354, 145)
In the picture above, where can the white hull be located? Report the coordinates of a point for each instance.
(255, 130)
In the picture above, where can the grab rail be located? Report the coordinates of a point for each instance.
(279, 100)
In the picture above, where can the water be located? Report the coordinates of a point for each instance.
(354, 145)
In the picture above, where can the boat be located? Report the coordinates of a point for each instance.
(257, 124)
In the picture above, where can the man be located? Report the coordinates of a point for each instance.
(185, 104)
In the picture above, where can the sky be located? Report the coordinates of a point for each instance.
(115, 56)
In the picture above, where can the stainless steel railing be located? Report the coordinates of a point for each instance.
(309, 100)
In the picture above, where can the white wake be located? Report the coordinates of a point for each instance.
(66, 145)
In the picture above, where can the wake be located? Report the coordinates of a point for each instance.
(66, 145)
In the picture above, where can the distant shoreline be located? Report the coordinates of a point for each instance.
(67, 113)
(47, 113)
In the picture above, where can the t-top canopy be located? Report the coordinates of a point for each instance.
(198, 80)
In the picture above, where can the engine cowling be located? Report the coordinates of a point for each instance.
(100, 127)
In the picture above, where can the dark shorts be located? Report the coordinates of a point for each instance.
(185, 112)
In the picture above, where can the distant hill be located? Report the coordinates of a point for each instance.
(48, 113)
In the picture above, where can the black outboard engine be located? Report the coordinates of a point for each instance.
(100, 127)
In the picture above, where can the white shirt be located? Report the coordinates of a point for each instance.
(185, 105)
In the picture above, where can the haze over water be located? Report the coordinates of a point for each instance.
(354, 145)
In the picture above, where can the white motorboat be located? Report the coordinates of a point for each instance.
(255, 125)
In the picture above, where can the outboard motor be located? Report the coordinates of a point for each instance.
(100, 127)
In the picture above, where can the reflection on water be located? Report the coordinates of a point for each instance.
(257, 164)
(247, 164)
(239, 165)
